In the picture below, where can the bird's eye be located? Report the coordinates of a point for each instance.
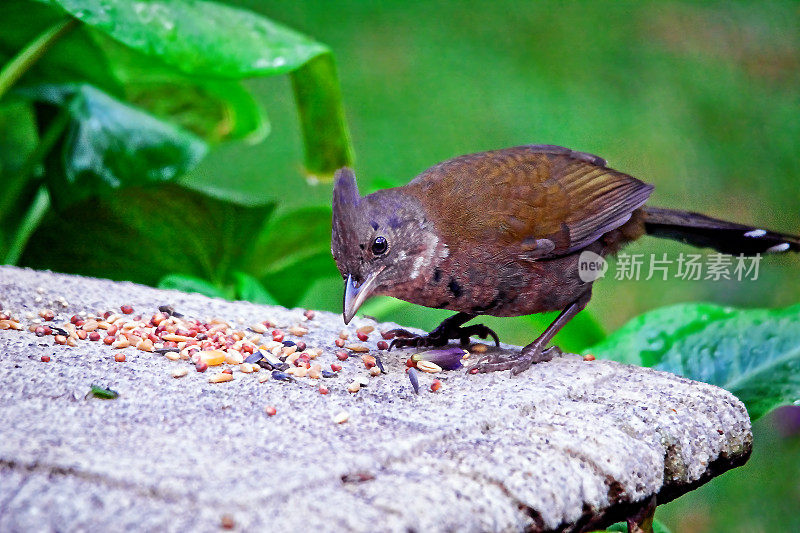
(379, 246)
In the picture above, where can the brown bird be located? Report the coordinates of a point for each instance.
(501, 233)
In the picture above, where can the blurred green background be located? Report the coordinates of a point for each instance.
(700, 99)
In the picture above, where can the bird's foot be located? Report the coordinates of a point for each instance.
(441, 336)
(517, 362)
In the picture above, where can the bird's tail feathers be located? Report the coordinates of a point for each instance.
(723, 236)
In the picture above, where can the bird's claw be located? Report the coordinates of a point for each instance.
(405, 339)
(517, 363)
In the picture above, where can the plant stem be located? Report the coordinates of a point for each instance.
(29, 223)
(16, 183)
(24, 60)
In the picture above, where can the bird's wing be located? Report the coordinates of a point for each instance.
(536, 201)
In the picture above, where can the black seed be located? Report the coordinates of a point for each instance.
(265, 365)
(281, 376)
(328, 374)
(162, 351)
(254, 357)
(201, 336)
(380, 364)
(454, 287)
(60, 331)
(288, 343)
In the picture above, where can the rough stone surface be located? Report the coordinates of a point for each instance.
(566, 443)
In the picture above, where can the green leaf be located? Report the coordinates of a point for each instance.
(184, 283)
(109, 144)
(291, 238)
(291, 283)
(319, 101)
(250, 289)
(74, 57)
(104, 393)
(208, 39)
(754, 353)
(622, 527)
(214, 109)
(143, 233)
(199, 37)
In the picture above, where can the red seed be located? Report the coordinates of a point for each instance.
(75, 319)
(323, 389)
(201, 366)
(588, 357)
(108, 340)
(410, 363)
(309, 314)
(39, 331)
(383, 345)
(227, 371)
(301, 346)
(362, 336)
(271, 411)
(436, 385)
(47, 314)
(248, 348)
(45, 359)
(335, 367)
(94, 336)
(473, 371)
(81, 334)
(341, 355)
(277, 335)
(127, 309)
(153, 338)
(61, 339)
(48, 330)
(227, 522)
(339, 342)
(387, 335)
(112, 330)
(119, 358)
(107, 314)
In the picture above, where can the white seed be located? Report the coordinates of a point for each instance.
(427, 366)
(259, 328)
(354, 387)
(222, 377)
(374, 371)
(180, 372)
(341, 417)
(357, 348)
(297, 331)
(173, 356)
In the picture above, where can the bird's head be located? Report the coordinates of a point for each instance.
(379, 241)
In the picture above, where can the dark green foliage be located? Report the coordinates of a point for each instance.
(754, 353)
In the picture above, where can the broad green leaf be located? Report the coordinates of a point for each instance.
(291, 238)
(289, 284)
(214, 109)
(143, 233)
(208, 39)
(200, 37)
(754, 353)
(75, 57)
(109, 144)
(250, 289)
(184, 283)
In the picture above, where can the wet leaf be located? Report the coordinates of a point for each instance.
(753, 353)
(108, 144)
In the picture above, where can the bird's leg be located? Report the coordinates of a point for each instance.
(450, 328)
(535, 352)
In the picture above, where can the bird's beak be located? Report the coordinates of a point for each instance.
(355, 294)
